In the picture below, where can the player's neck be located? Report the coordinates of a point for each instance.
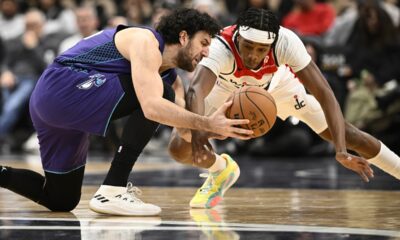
(169, 57)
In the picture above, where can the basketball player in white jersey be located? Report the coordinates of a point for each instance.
(258, 52)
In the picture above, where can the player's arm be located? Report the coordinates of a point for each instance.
(201, 85)
(142, 51)
(316, 83)
(179, 92)
(290, 50)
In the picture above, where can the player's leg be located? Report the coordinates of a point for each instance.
(56, 191)
(367, 146)
(223, 171)
(179, 149)
(63, 153)
(311, 113)
(137, 132)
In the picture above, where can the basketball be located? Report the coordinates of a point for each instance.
(255, 104)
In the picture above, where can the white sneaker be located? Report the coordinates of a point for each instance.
(121, 201)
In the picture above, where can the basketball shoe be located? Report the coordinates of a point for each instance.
(214, 188)
(121, 201)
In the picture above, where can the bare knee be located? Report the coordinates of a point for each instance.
(180, 150)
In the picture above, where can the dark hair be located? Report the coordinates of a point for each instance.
(185, 19)
(385, 31)
(260, 19)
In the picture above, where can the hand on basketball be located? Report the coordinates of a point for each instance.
(357, 164)
(224, 126)
(201, 147)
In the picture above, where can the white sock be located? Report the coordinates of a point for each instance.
(219, 164)
(388, 161)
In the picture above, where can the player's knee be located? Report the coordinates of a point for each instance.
(63, 204)
(179, 152)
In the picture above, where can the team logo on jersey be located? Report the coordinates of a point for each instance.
(94, 80)
(299, 103)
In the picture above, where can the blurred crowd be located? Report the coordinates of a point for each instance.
(354, 42)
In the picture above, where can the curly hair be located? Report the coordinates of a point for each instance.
(260, 19)
(186, 19)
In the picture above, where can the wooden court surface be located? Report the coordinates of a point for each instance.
(246, 213)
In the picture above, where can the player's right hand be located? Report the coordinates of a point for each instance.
(224, 126)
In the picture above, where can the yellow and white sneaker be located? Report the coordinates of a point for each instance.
(214, 188)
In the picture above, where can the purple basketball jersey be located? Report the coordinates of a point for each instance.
(76, 96)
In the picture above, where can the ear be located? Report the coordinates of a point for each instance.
(239, 37)
(183, 38)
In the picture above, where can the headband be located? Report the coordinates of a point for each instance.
(256, 35)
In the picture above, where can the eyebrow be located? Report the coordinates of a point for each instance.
(206, 40)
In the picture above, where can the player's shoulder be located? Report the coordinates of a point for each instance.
(220, 47)
(287, 35)
(137, 33)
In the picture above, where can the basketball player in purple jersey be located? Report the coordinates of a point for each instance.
(258, 52)
(127, 71)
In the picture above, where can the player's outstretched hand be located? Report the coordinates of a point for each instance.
(224, 126)
(357, 164)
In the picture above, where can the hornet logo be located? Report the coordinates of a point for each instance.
(94, 80)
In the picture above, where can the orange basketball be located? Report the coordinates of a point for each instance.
(255, 104)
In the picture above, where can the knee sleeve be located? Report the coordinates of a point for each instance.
(62, 192)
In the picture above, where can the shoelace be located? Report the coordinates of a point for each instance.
(131, 192)
(210, 183)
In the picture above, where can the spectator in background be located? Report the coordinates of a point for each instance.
(373, 44)
(87, 22)
(11, 21)
(58, 18)
(394, 11)
(160, 9)
(137, 11)
(215, 9)
(373, 58)
(26, 58)
(117, 20)
(340, 31)
(309, 18)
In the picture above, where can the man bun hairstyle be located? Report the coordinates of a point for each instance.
(186, 19)
(260, 19)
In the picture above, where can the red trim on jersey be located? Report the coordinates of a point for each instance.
(268, 66)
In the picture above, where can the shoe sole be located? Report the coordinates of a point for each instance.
(214, 202)
(103, 210)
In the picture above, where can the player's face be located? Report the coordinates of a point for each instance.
(196, 48)
(252, 53)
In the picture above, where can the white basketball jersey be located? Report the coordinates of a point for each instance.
(225, 63)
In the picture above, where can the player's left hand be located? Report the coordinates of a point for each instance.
(201, 148)
(357, 164)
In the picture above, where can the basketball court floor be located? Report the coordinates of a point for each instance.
(295, 198)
